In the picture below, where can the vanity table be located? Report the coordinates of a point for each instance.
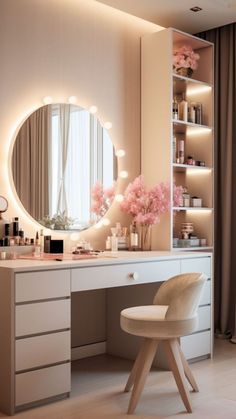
(35, 319)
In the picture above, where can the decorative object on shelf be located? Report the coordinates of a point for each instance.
(102, 199)
(58, 222)
(147, 205)
(196, 201)
(185, 61)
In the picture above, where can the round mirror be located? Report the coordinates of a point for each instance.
(64, 167)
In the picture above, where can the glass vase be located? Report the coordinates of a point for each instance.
(145, 237)
(185, 72)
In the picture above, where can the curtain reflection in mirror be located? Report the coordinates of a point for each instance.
(56, 163)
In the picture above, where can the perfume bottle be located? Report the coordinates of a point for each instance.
(183, 109)
(133, 236)
(175, 114)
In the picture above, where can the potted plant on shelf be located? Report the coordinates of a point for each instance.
(147, 205)
(185, 60)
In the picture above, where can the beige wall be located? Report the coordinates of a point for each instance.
(70, 47)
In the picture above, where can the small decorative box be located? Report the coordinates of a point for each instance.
(196, 202)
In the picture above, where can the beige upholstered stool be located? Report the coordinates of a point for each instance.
(174, 314)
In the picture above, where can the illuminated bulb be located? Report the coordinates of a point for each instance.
(98, 225)
(120, 153)
(74, 237)
(72, 100)
(93, 109)
(46, 232)
(124, 174)
(47, 100)
(108, 125)
(106, 221)
(119, 197)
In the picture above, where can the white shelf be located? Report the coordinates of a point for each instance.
(188, 80)
(192, 209)
(183, 167)
(191, 124)
(184, 249)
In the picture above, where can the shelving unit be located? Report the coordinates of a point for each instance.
(160, 85)
(159, 88)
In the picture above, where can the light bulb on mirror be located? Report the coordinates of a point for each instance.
(123, 174)
(120, 153)
(98, 225)
(72, 100)
(47, 100)
(106, 222)
(108, 125)
(93, 109)
(119, 197)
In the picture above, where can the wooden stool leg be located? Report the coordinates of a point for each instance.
(187, 371)
(138, 360)
(143, 368)
(175, 362)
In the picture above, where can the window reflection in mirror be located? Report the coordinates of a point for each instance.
(62, 162)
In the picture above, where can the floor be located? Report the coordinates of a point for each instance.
(98, 383)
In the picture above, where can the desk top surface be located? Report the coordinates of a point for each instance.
(106, 258)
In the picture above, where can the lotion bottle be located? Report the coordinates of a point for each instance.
(183, 109)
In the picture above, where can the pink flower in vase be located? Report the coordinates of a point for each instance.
(102, 199)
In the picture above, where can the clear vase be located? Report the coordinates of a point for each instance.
(145, 237)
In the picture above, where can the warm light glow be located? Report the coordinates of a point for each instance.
(198, 131)
(98, 225)
(72, 100)
(120, 153)
(199, 211)
(106, 222)
(194, 90)
(74, 237)
(93, 109)
(119, 197)
(124, 174)
(198, 171)
(47, 100)
(108, 125)
(47, 232)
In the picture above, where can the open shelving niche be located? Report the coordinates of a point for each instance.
(159, 87)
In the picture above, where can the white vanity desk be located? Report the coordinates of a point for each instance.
(35, 307)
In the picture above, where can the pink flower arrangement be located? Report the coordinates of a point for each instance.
(185, 57)
(147, 205)
(102, 199)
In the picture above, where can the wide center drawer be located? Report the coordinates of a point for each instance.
(42, 317)
(31, 286)
(121, 275)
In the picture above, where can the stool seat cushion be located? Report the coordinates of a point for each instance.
(150, 321)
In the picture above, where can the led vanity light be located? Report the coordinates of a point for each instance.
(47, 100)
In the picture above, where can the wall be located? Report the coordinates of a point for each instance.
(70, 47)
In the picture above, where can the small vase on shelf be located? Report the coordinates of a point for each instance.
(145, 237)
(185, 72)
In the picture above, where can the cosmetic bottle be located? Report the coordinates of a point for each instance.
(199, 113)
(114, 243)
(180, 152)
(133, 237)
(174, 149)
(37, 242)
(175, 109)
(41, 240)
(21, 235)
(192, 113)
(183, 109)
(15, 226)
(7, 229)
(108, 243)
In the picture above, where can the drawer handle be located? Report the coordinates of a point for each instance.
(134, 275)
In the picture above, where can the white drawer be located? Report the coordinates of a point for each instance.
(201, 264)
(38, 385)
(31, 286)
(121, 275)
(42, 350)
(204, 318)
(42, 317)
(198, 344)
(206, 294)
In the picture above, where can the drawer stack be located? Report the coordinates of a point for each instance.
(42, 335)
(200, 343)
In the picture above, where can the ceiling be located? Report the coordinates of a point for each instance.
(176, 13)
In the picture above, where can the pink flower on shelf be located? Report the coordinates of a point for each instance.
(147, 205)
(185, 57)
(102, 199)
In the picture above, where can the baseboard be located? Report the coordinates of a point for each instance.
(86, 351)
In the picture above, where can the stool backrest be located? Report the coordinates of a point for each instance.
(182, 294)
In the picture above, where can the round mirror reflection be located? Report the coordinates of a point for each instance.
(64, 167)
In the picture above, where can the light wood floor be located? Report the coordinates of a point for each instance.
(98, 391)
